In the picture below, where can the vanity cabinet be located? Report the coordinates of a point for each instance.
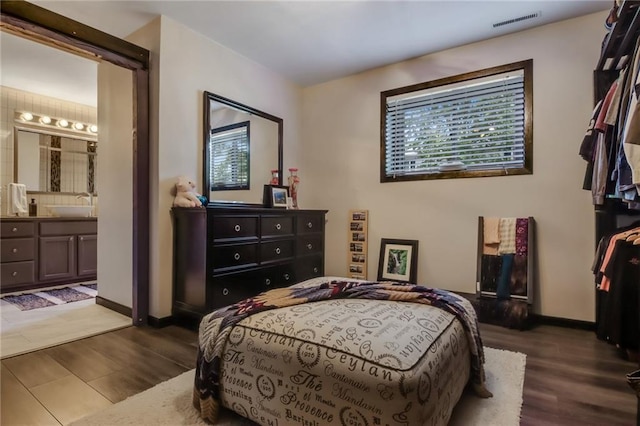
(41, 252)
(225, 254)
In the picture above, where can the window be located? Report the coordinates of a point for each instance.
(228, 151)
(470, 125)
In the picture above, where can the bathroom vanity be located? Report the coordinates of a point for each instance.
(45, 251)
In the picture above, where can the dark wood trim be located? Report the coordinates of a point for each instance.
(53, 28)
(162, 322)
(563, 322)
(114, 306)
(59, 31)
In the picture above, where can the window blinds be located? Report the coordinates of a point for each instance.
(476, 125)
(229, 165)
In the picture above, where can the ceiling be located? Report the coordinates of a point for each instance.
(310, 42)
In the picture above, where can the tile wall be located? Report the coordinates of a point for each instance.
(12, 100)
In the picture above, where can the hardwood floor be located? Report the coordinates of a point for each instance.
(571, 377)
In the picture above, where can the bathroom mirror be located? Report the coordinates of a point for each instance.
(242, 146)
(48, 163)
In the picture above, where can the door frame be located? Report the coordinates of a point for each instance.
(37, 23)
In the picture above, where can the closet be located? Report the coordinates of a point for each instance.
(611, 141)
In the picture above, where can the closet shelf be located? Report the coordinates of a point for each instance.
(621, 38)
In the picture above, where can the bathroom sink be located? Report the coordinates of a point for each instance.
(70, 211)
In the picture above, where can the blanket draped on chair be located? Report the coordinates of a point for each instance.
(217, 326)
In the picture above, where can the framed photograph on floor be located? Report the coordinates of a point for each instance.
(275, 196)
(398, 260)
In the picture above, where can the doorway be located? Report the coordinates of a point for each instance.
(34, 22)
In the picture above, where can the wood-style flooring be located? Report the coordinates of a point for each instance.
(571, 377)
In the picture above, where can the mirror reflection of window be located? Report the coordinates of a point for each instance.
(229, 165)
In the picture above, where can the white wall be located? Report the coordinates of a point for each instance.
(115, 225)
(185, 65)
(341, 145)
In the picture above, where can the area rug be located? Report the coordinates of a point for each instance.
(52, 297)
(169, 403)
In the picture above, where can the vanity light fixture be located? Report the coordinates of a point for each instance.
(41, 121)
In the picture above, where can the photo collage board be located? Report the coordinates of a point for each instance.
(358, 239)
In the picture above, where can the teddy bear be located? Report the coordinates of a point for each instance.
(185, 193)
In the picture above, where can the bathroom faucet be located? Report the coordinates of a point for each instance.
(89, 197)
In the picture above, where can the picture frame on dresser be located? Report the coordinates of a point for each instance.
(398, 260)
(275, 196)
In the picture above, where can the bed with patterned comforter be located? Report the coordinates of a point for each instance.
(333, 351)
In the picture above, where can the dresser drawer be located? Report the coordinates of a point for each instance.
(17, 273)
(310, 223)
(309, 267)
(16, 229)
(231, 227)
(234, 256)
(276, 250)
(231, 288)
(278, 276)
(309, 244)
(17, 249)
(275, 226)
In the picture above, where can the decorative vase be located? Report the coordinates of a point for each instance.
(294, 181)
(274, 177)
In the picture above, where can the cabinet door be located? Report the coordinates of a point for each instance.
(87, 255)
(57, 257)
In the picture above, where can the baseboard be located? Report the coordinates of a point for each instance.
(564, 322)
(161, 322)
(121, 309)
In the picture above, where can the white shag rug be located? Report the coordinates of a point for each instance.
(169, 403)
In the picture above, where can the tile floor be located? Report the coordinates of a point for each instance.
(25, 331)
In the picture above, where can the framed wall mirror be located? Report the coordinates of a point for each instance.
(55, 163)
(242, 146)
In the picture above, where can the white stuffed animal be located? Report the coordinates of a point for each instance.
(185, 193)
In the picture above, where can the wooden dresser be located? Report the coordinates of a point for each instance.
(225, 254)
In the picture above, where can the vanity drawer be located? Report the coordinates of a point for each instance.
(17, 273)
(276, 250)
(234, 256)
(310, 223)
(69, 227)
(16, 229)
(17, 249)
(275, 226)
(230, 227)
(309, 244)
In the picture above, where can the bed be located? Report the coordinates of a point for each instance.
(339, 351)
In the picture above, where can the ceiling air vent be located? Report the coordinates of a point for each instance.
(514, 20)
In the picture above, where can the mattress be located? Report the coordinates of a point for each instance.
(345, 361)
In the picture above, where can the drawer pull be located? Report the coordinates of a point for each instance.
(278, 226)
(15, 250)
(236, 256)
(315, 270)
(14, 274)
(267, 281)
(225, 292)
(70, 238)
(286, 277)
(309, 225)
(14, 229)
(237, 228)
(278, 250)
(309, 246)
(81, 238)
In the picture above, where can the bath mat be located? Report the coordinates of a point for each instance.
(57, 296)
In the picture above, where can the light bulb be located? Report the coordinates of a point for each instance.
(78, 126)
(45, 120)
(93, 128)
(27, 116)
(63, 123)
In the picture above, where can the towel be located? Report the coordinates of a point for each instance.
(17, 199)
(507, 231)
(490, 237)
